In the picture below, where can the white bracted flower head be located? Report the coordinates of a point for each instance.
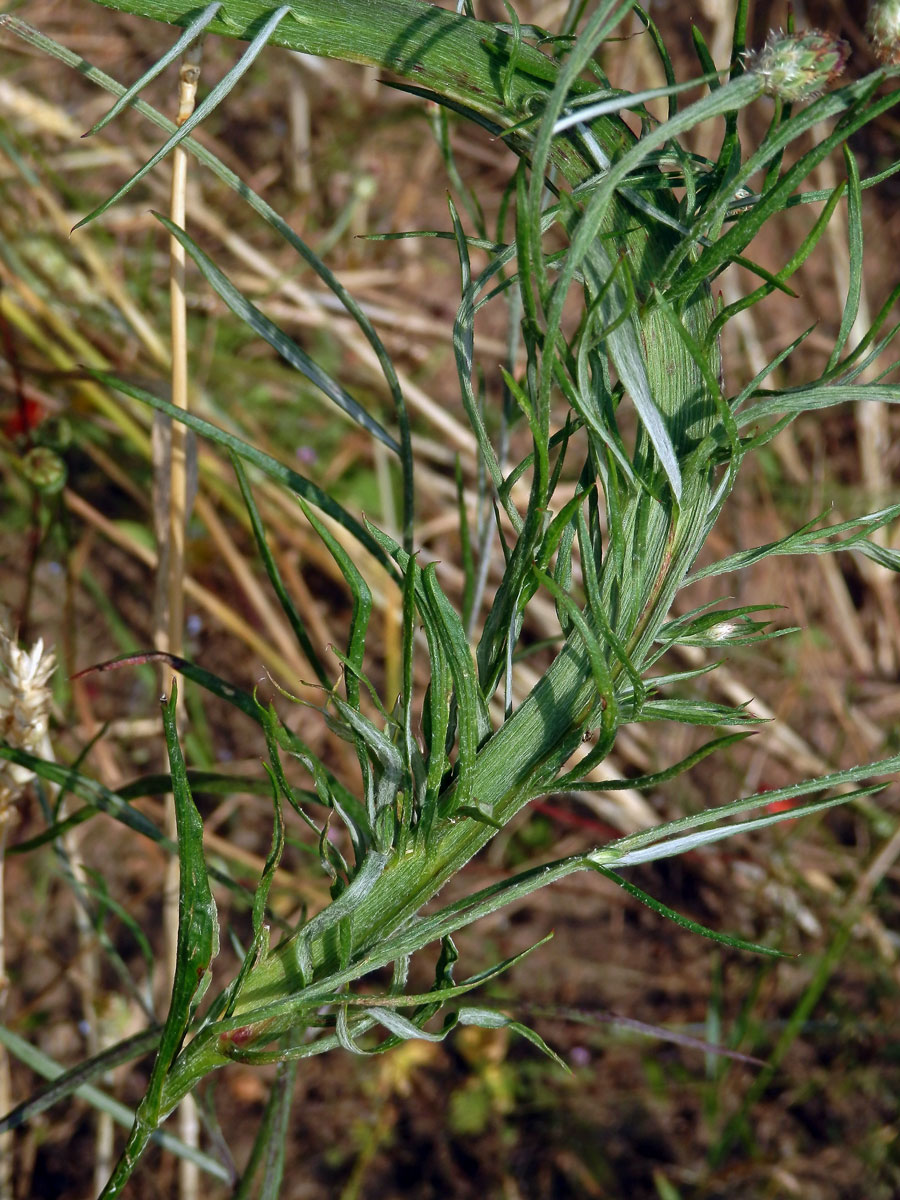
(883, 29)
(24, 709)
(798, 66)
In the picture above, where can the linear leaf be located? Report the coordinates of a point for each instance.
(222, 88)
(694, 712)
(191, 33)
(812, 538)
(643, 782)
(705, 837)
(276, 337)
(76, 1080)
(284, 598)
(270, 466)
(709, 816)
(670, 914)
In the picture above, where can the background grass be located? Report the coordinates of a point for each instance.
(478, 1115)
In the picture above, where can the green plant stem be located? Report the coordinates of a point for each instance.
(536, 739)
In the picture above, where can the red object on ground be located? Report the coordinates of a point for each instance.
(24, 417)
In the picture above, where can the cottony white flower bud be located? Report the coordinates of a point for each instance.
(798, 66)
(883, 29)
(24, 710)
(723, 631)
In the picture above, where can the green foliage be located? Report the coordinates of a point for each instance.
(646, 228)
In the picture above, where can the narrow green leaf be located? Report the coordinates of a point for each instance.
(463, 338)
(284, 599)
(793, 264)
(644, 782)
(466, 555)
(362, 601)
(670, 914)
(276, 337)
(705, 837)
(812, 538)
(710, 816)
(694, 712)
(98, 797)
(473, 721)
(707, 63)
(210, 783)
(190, 35)
(273, 858)
(401, 1027)
(75, 1081)
(813, 399)
(222, 88)
(210, 682)
(64, 1083)
(270, 466)
(278, 1112)
(624, 340)
(438, 700)
(587, 110)
(599, 666)
(198, 927)
(330, 792)
(388, 781)
(196, 946)
(722, 627)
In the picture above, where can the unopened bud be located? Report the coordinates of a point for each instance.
(798, 66)
(724, 631)
(44, 470)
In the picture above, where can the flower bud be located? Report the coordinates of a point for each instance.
(883, 30)
(44, 470)
(24, 710)
(798, 66)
